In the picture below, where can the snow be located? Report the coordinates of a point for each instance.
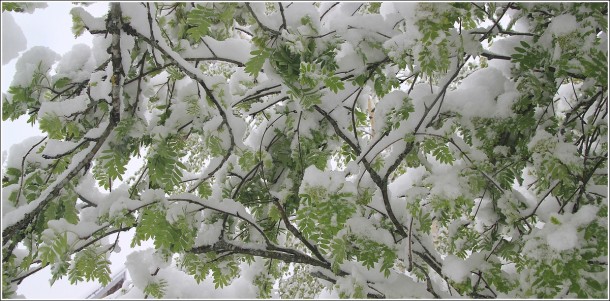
(348, 59)
(152, 195)
(331, 181)
(506, 47)
(225, 205)
(387, 9)
(32, 6)
(97, 132)
(567, 153)
(55, 34)
(127, 43)
(13, 43)
(585, 215)
(403, 287)
(141, 265)
(238, 81)
(239, 128)
(562, 25)
(485, 214)
(488, 92)
(64, 108)
(179, 285)
(562, 233)
(36, 59)
(99, 49)
(137, 13)
(86, 188)
(54, 148)
(364, 227)
(455, 268)
(118, 204)
(404, 182)
(9, 218)
(598, 189)
(208, 234)
(564, 238)
(237, 50)
(298, 10)
(91, 22)
(391, 102)
(18, 151)
(445, 179)
(77, 64)
(478, 95)
(75, 233)
(100, 86)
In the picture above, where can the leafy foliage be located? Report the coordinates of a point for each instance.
(373, 150)
(88, 265)
(174, 237)
(156, 289)
(165, 165)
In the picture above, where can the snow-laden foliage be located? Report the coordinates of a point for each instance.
(397, 150)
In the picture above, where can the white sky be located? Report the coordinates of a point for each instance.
(51, 27)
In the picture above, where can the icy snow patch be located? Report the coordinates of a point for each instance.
(455, 268)
(564, 238)
(19, 150)
(55, 147)
(38, 58)
(76, 64)
(562, 25)
(405, 181)
(64, 108)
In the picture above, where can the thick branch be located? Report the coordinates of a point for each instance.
(274, 32)
(16, 232)
(191, 72)
(223, 246)
(296, 232)
(23, 166)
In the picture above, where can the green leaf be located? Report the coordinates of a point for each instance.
(205, 190)
(52, 125)
(338, 249)
(595, 284)
(88, 265)
(310, 100)
(555, 221)
(360, 80)
(439, 150)
(156, 289)
(62, 82)
(199, 22)
(255, 64)
(114, 162)
(172, 237)
(195, 266)
(55, 251)
(334, 83)
(70, 211)
(164, 166)
(11, 6)
(175, 73)
(78, 25)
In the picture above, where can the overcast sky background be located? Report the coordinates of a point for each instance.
(51, 27)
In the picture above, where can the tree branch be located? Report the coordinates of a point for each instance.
(14, 232)
(261, 25)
